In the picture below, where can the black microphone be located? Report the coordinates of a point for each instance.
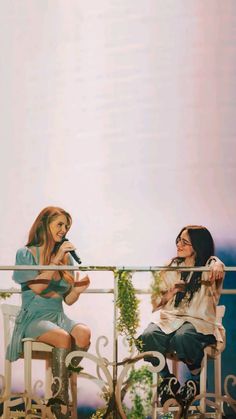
(72, 252)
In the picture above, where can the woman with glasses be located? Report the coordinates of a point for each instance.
(184, 315)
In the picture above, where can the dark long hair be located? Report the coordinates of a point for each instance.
(203, 245)
(40, 234)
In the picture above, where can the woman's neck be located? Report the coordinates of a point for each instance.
(190, 261)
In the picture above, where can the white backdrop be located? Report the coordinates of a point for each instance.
(123, 113)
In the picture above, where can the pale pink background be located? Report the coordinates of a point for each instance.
(122, 112)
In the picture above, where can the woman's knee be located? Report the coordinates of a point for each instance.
(57, 337)
(153, 341)
(186, 347)
(82, 335)
(146, 339)
(179, 342)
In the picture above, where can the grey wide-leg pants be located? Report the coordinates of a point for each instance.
(186, 343)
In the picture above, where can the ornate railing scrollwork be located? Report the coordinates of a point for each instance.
(228, 398)
(127, 364)
(114, 390)
(111, 376)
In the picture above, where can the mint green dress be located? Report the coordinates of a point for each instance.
(38, 314)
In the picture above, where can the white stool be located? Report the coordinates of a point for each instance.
(209, 352)
(31, 350)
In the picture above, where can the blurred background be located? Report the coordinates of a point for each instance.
(123, 113)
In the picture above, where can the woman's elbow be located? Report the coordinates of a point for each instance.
(68, 303)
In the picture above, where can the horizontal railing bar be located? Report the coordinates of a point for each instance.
(109, 268)
(110, 291)
(223, 291)
(99, 291)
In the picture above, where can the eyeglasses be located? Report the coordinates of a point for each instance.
(183, 242)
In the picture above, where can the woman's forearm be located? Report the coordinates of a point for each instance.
(45, 275)
(71, 297)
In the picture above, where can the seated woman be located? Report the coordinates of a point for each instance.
(184, 315)
(42, 316)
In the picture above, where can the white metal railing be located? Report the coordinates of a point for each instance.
(113, 290)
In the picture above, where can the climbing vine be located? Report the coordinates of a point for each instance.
(139, 385)
(155, 284)
(140, 393)
(140, 380)
(5, 295)
(128, 306)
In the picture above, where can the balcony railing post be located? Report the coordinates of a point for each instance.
(115, 337)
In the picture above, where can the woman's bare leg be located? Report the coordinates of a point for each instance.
(81, 334)
(56, 337)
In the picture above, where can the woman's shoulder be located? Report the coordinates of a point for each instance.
(174, 262)
(24, 256)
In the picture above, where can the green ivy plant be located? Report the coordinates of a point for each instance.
(141, 381)
(139, 385)
(5, 295)
(101, 412)
(128, 306)
(155, 284)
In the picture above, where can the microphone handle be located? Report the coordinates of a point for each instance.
(72, 252)
(76, 257)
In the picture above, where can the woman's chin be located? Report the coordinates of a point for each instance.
(57, 240)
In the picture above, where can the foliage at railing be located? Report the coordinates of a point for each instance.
(102, 411)
(141, 393)
(138, 385)
(4, 295)
(155, 285)
(128, 306)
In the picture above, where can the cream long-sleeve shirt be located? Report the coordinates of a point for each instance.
(200, 311)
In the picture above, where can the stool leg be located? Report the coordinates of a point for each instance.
(73, 389)
(217, 372)
(175, 367)
(7, 392)
(48, 377)
(28, 374)
(203, 382)
(154, 401)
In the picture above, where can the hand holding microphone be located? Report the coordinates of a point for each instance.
(64, 247)
(72, 252)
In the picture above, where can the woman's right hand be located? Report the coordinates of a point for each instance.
(64, 248)
(81, 284)
(179, 286)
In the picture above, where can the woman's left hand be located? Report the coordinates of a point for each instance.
(81, 284)
(217, 271)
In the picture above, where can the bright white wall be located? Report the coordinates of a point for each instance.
(123, 113)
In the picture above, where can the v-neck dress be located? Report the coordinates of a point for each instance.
(38, 314)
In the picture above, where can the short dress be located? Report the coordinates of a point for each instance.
(38, 314)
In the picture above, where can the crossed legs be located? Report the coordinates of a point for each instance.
(63, 342)
(187, 345)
